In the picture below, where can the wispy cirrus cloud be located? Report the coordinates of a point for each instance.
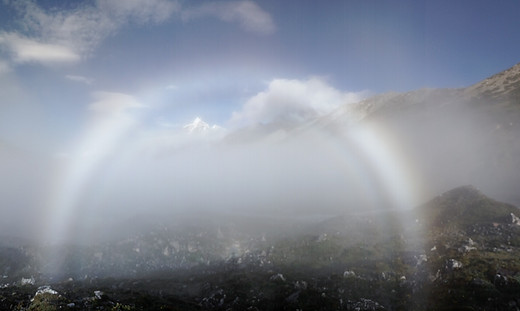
(247, 14)
(80, 79)
(139, 11)
(49, 36)
(24, 50)
(53, 36)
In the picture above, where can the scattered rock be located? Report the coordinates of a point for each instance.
(98, 294)
(29, 281)
(277, 277)
(453, 264)
(421, 259)
(349, 274)
(365, 305)
(46, 289)
(300, 285)
(293, 298)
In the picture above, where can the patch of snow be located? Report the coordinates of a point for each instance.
(349, 274)
(466, 248)
(454, 264)
(322, 237)
(196, 126)
(277, 277)
(422, 258)
(515, 220)
(98, 294)
(25, 281)
(46, 289)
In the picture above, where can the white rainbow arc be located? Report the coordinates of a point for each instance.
(99, 140)
(389, 169)
(378, 160)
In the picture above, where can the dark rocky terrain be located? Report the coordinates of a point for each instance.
(457, 252)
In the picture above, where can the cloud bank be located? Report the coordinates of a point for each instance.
(292, 100)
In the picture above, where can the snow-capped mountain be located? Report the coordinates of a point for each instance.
(199, 126)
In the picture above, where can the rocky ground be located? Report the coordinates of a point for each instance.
(458, 252)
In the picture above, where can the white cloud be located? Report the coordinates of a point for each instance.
(52, 36)
(81, 29)
(80, 79)
(141, 11)
(293, 100)
(25, 50)
(66, 36)
(4, 67)
(113, 104)
(246, 13)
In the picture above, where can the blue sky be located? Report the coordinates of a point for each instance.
(161, 62)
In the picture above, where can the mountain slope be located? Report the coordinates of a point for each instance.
(464, 206)
(503, 86)
(450, 136)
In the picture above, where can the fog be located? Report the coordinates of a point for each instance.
(308, 174)
(393, 151)
(457, 139)
(311, 173)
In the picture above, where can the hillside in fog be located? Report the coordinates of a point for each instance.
(453, 136)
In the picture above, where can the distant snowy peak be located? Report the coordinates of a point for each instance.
(199, 126)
